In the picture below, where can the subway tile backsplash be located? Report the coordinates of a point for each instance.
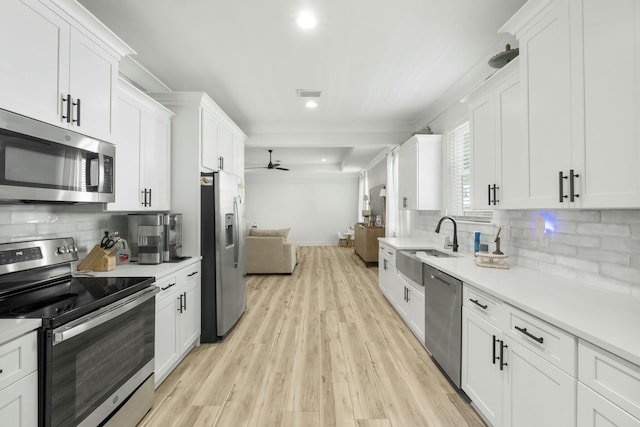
(598, 248)
(85, 223)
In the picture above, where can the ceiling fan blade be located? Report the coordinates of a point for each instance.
(258, 167)
(282, 169)
(275, 165)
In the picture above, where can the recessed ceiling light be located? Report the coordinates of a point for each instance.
(323, 160)
(311, 104)
(306, 20)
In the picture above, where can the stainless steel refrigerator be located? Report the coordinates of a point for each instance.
(224, 290)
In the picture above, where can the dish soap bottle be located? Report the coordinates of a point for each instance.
(121, 249)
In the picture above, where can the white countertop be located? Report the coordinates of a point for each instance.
(13, 328)
(604, 318)
(133, 269)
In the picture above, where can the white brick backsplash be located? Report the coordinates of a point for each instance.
(616, 230)
(621, 272)
(621, 245)
(85, 223)
(595, 254)
(575, 215)
(578, 264)
(598, 248)
(575, 240)
(631, 217)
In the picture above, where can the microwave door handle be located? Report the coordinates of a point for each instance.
(93, 320)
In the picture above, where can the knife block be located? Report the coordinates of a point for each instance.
(98, 259)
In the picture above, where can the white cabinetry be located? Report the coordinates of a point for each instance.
(177, 318)
(196, 122)
(143, 147)
(608, 389)
(517, 369)
(60, 65)
(19, 382)
(388, 274)
(419, 166)
(580, 113)
(499, 156)
(219, 143)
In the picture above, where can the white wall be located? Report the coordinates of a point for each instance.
(314, 206)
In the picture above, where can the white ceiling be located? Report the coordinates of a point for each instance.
(380, 64)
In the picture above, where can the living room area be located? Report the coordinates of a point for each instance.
(309, 209)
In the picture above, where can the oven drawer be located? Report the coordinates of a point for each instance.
(18, 358)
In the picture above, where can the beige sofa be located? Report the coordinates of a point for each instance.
(270, 251)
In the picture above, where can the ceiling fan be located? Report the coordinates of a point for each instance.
(271, 165)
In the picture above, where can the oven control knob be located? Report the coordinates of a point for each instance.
(63, 250)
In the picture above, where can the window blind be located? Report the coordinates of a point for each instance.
(459, 160)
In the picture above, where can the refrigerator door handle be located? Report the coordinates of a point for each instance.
(236, 233)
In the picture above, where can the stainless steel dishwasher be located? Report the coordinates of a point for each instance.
(443, 320)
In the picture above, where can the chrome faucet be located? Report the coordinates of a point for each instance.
(455, 231)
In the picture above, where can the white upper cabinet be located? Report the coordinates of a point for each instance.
(581, 93)
(209, 142)
(143, 147)
(419, 168)
(499, 155)
(60, 65)
(609, 36)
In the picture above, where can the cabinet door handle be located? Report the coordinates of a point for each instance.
(149, 197)
(408, 299)
(502, 362)
(145, 192)
(192, 273)
(529, 334)
(68, 108)
(561, 195)
(493, 350)
(495, 195)
(476, 302)
(384, 264)
(489, 194)
(572, 177)
(185, 300)
(180, 299)
(77, 119)
(405, 202)
(168, 286)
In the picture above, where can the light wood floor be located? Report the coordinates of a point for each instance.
(321, 347)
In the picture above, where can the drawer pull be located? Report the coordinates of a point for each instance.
(191, 274)
(494, 350)
(1, 371)
(168, 286)
(502, 362)
(527, 333)
(476, 302)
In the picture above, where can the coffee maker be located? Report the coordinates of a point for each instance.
(155, 238)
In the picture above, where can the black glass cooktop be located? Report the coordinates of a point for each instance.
(70, 298)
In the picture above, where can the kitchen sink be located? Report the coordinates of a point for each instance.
(436, 253)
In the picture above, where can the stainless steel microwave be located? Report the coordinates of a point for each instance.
(40, 162)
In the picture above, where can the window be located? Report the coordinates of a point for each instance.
(459, 162)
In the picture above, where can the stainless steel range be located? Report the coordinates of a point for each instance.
(96, 343)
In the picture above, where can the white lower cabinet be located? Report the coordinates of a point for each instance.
(387, 271)
(514, 366)
(535, 392)
(596, 411)
(410, 305)
(19, 382)
(177, 319)
(608, 389)
(481, 376)
(19, 403)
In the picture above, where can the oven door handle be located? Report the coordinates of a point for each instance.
(103, 315)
